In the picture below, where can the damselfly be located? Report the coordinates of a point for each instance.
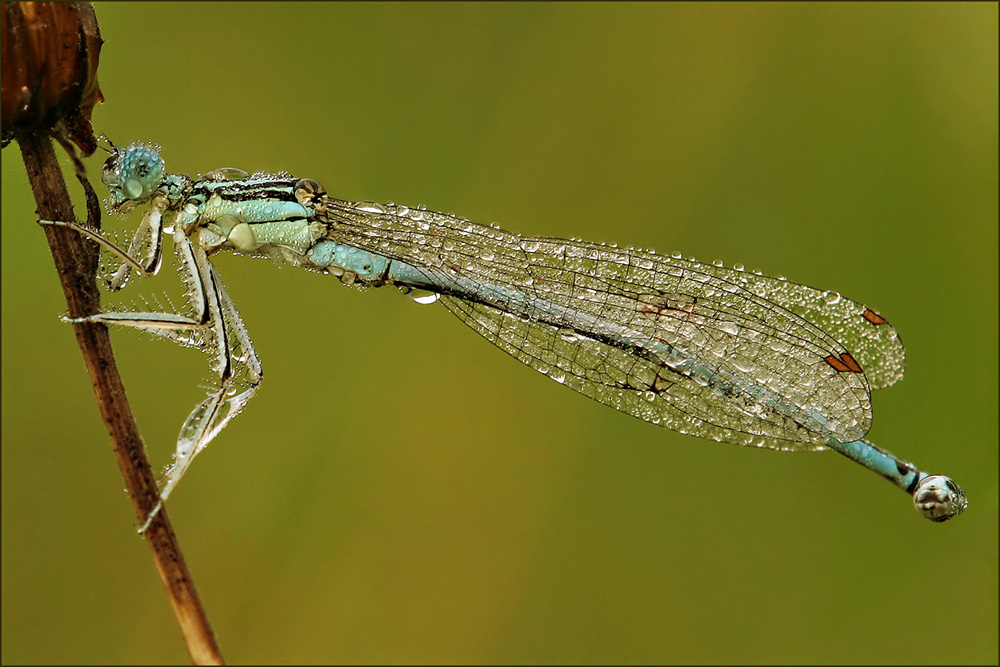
(706, 350)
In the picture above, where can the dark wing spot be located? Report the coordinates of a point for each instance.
(845, 363)
(874, 317)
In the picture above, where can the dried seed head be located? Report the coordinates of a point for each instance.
(50, 56)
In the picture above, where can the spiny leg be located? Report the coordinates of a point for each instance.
(212, 325)
(149, 232)
(220, 332)
(239, 377)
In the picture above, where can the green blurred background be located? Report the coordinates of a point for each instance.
(400, 490)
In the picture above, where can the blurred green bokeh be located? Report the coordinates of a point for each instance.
(401, 491)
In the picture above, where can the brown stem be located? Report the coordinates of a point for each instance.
(76, 261)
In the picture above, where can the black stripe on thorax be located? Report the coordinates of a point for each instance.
(276, 189)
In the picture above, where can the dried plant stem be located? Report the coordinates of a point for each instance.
(76, 261)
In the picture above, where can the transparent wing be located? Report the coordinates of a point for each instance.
(701, 349)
